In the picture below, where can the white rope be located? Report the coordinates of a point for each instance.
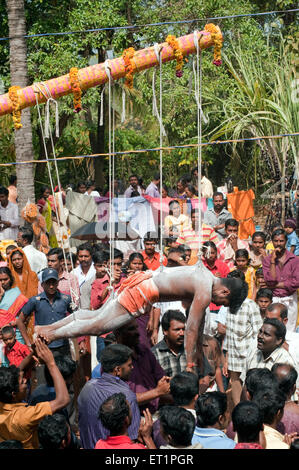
(110, 224)
(72, 292)
(123, 114)
(198, 94)
(102, 107)
(157, 50)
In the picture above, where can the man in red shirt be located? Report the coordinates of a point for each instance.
(14, 350)
(115, 414)
(150, 255)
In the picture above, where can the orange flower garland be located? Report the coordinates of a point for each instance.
(178, 54)
(218, 41)
(75, 89)
(130, 67)
(16, 114)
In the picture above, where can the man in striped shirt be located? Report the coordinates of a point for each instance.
(189, 235)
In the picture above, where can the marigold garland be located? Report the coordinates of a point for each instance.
(218, 41)
(16, 114)
(76, 90)
(130, 67)
(178, 54)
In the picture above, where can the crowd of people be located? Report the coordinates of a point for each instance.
(132, 387)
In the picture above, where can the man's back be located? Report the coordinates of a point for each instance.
(36, 258)
(93, 394)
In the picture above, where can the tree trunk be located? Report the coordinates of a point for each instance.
(19, 76)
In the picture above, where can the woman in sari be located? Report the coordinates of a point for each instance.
(11, 301)
(24, 278)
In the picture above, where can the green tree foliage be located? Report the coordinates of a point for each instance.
(51, 56)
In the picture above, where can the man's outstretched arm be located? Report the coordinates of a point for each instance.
(194, 329)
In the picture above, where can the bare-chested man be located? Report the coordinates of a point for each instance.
(191, 283)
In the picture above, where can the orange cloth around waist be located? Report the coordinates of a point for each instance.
(135, 298)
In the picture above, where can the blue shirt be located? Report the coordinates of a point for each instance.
(92, 395)
(47, 313)
(293, 240)
(211, 438)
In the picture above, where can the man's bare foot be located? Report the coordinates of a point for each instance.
(44, 332)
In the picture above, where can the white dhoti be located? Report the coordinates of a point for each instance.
(291, 302)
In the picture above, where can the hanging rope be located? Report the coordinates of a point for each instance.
(198, 97)
(73, 294)
(111, 222)
(158, 52)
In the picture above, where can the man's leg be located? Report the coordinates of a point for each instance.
(236, 386)
(112, 315)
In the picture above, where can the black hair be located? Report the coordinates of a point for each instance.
(138, 255)
(56, 251)
(242, 253)
(7, 271)
(183, 388)
(66, 365)
(81, 183)
(218, 193)
(133, 176)
(264, 292)
(236, 274)
(113, 356)
(4, 190)
(231, 223)
(156, 177)
(280, 329)
(85, 246)
(269, 401)
(12, 179)
(118, 254)
(288, 381)
(10, 247)
(294, 444)
(170, 315)
(165, 187)
(7, 329)
(259, 234)
(192, 189)
(247, 421)
(100, 257)
(71, 256)
(209, 407)
(27, 234)
(43, 189)
(150, 237)
(52, 430)
(259, 378)
(11, 444)
(9, 383)
(16, 251)
(278, 232)
(210, 244)
(238, 292)
(177, 423)
(113, 412)
(282, 308)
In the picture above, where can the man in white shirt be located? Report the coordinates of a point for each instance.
(9, 216)
(133, 181)
(37, 260)
(86, 269)
(291, 344)
(269, 350)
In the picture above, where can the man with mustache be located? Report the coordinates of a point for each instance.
(281, 273)
(269, 350)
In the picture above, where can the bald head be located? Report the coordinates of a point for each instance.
(286, 376)
(279, 311)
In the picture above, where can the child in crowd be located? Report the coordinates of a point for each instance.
(264, 298)
(259, 279)
(257, 249)
(13, 350)
(242, 263)
(293, 239)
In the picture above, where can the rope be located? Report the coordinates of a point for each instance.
(37, 85)
(111, 251)
(157, 149)
(158, 52)
(198, 97)
(94, 30)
